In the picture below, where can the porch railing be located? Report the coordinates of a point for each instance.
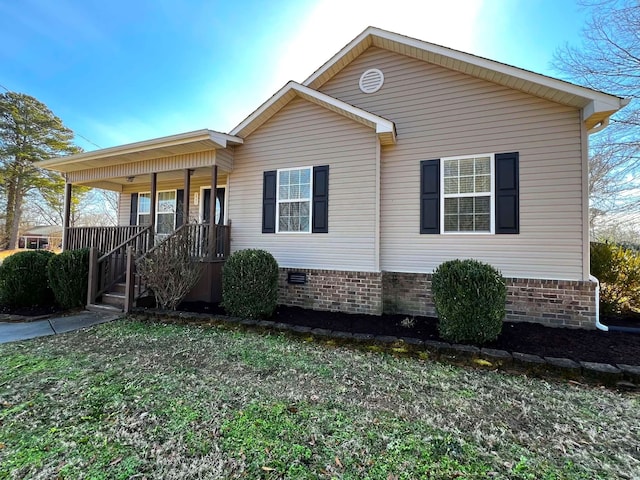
(107, 270)
(105, 239)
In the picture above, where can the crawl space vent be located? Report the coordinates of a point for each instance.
(371, 80)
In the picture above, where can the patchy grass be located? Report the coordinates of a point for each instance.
(133, 400)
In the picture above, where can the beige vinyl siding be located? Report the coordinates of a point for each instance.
(442, 113)
(303, 134)
(124, 206)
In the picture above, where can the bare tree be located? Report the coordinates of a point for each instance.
(608, 59)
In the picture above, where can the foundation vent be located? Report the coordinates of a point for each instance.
(371, 81)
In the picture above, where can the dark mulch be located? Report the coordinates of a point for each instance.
(578, 345)
(33, 311)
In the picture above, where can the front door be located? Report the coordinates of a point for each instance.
(206, 206)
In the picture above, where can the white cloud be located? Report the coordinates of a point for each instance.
(331, 24)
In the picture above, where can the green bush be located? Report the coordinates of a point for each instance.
(470, 298)
(68, 275)
(618, 270)
(250, 284)
(23, 280)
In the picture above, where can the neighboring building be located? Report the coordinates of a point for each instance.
(393, 157)
(48, 237)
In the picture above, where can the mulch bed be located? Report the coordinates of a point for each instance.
(22, 314)
(576, 344)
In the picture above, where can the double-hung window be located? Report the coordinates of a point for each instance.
(467, 200)
(472, 194)
(294, 195)
(144, 209)
(165, 211)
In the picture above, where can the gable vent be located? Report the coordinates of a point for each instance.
(371, 80)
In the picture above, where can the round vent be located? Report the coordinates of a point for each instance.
(371, 80)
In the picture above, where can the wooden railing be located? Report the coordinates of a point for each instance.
(105, 239)
(111, 268)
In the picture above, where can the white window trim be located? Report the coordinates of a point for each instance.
(175, 214)
(492, 205)
(310, 168)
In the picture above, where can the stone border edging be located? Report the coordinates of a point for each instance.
(619, 375)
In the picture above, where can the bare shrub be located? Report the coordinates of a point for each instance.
(171, 270)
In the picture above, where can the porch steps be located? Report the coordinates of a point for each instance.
(101, 307)
(114, 299)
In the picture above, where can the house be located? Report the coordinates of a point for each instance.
(393, 157)
(41, 237)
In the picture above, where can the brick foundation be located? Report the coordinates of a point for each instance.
(556, 303)
(333, 290)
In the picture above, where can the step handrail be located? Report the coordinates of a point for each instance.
(108, 269)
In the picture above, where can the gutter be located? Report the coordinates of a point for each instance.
(599, 325)
(602, 326)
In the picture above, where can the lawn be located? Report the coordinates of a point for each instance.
(136, 400)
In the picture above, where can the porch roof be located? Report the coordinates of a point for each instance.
(183, 143)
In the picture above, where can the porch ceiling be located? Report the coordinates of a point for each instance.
(168, 179)
(184, 143)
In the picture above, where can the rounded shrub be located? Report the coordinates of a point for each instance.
(250, 284)
(23, 279)
(68, 275)
(470, 298)
(618, 270)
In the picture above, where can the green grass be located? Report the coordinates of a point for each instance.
(135, 400)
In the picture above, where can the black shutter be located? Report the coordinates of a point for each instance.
(430, 196)
(320, 199)
(133, 217)
(179, 207)
(507, 193)
(269, 202)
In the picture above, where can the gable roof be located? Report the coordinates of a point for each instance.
(385, 129)
(596, 106)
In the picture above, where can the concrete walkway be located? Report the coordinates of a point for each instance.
(14, 331)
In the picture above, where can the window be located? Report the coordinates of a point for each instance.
(467, 194)
(144, 209)
(294, 200)
(470, 194)
(165, 211)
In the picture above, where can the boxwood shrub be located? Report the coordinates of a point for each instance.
(470, 298)
(68, 275)
(250, 284)
(23, 279)
(618, 270)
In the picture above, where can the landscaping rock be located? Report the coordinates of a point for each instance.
(564, 367)
(248, 322)
(321, 332)
(458, 353)
(435, 347)
(386, 339)
(266, 324)
(496, 358)
(528, 362)
(300, 329)
(631, 373)
(281, 326)
(601, 372)
(342, 335)
(412, 341)
(363, 337)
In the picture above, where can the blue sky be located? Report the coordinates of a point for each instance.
(122, 71)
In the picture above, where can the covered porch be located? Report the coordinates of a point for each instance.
(167, 186)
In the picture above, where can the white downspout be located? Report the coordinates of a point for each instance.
(599, 325)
